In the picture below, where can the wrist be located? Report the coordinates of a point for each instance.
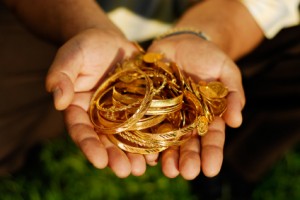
(91, 17)
(68, 34)
(227, 22)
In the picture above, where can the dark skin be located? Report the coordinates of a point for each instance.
(93, 44)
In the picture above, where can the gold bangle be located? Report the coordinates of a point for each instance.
(148, 105)
(135, 149)
(179, 31)
(135, 117)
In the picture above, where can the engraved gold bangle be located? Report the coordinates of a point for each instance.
(148, 105)
(135, 149)
(135, 118)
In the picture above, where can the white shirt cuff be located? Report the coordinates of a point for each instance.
(273, 15)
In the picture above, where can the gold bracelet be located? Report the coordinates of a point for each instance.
(133, 148)
(135, 117)
(148, 105)
(179, 31)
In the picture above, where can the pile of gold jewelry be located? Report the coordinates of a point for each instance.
(148, 105)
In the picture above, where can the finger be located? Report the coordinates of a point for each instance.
(83, 134)
(189, 161)
(231, 77)
(62, 74)
(121, 167)
(118, 160)
(152, 159)
(138, 164)
(170, 166)
(82, 100)
(233, 115)
(212, 148)
(62, 88)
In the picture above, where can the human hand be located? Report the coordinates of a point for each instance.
(79, 66)
(202, 60)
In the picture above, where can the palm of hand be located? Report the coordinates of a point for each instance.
(74, 74)
(77, 70)
(202, 61)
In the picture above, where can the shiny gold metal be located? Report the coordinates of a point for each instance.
(152, 57)
(214, 90)
(148, 105)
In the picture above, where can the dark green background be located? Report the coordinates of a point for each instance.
(58, 171)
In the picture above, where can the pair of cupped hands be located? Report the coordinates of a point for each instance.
(84, 61)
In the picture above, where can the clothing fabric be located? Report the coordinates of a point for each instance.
(142, 20)
(271, 80)
(274, 15)
(27, 115)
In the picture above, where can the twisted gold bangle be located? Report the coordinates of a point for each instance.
(148, 105)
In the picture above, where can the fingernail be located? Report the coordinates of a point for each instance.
(57, 93)
(152, 163)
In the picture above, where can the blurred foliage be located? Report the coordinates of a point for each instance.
(59, 171)
(283, 181)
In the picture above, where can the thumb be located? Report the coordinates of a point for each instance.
(62, 74)
(61, 86)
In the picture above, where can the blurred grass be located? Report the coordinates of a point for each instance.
(283, 180)
(58, 171)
